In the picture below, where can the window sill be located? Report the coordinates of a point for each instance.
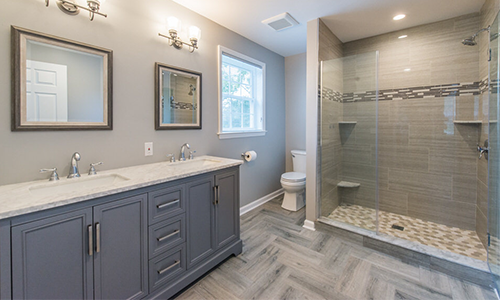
(235, 135)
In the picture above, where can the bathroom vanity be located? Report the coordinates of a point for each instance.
(132, 233)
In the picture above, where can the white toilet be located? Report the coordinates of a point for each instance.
(294, 183)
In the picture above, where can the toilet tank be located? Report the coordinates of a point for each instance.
(299, 161)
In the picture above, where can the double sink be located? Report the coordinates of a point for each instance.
(96, 181)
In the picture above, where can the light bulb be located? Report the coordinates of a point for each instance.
(194, 33)
(399, 17)
(173, 23)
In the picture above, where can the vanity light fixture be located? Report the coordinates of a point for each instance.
(174, 26)
(72, 8)
(399, 17)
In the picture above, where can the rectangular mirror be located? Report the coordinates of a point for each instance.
(177, 98)
(59, 84)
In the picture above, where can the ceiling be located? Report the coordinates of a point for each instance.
(348, 19)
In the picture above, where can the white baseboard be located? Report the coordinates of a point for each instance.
(309, 225)
(259, 202)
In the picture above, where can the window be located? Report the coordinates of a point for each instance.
(241, 95)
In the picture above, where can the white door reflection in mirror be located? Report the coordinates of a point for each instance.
(46, 92)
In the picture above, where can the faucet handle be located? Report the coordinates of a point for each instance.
(92, 170)
(191, 154)
(54, 176)
(172, 157)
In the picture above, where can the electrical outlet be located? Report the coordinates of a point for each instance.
(148, 149)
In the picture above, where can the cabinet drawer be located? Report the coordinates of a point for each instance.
(166, 235)
(166, 203)
(167, 267)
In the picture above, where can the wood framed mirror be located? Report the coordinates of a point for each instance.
(177, 98)
(60, 84)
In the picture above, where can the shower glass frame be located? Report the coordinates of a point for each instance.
(359, 76)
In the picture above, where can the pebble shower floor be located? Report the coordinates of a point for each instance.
(456, 240)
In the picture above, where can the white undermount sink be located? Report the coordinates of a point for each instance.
(75, 184)
(195, 163)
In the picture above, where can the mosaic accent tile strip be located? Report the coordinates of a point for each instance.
(182, 105)
(456, 240)
(444, 90)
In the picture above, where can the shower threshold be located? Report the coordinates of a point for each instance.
(460, 266)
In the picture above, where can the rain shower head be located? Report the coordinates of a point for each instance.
(472, 40)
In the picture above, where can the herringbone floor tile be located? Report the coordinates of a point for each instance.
(282, 260)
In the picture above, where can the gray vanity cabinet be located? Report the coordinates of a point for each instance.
(121, 257)
(50, 258)
(201, 220)
(208, 232)
(226, 209)
(147, 243)
(92, 253)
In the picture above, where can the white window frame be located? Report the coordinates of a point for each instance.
(244, 58)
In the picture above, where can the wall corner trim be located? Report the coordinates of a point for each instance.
(253, 205)
(309, 225)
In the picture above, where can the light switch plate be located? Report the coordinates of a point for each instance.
(148, 149)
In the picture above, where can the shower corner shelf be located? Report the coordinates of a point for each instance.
(348, 122)
(468, 122)
(347, 184)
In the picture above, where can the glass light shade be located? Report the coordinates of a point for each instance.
(194, 33)
(173, 24)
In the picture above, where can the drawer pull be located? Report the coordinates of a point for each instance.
(167, 236)
(160, 206)
(168, 268)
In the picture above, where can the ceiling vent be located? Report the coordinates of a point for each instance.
(281, 22)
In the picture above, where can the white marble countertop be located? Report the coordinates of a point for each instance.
(18, 199)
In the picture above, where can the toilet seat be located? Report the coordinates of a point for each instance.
(293, 177)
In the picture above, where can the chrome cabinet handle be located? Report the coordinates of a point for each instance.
(91, 241)
(215, 194)
(167, 236)
(160, 206)
(168, 268)
(218, 195)
(97, 237)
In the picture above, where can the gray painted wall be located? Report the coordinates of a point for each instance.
(295, 78)
(131, 31)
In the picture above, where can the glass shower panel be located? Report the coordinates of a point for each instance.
(494, 154)
(349, 140)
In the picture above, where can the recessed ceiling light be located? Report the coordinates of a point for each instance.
(402, 37)
(407, 70)
(399, 17)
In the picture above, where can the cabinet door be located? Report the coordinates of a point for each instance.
(201, 223)
(227, 208)
(120, 261)
(50, 258)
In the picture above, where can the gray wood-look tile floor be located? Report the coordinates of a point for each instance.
(282, 260)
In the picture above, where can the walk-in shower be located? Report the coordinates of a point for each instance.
(400, 125)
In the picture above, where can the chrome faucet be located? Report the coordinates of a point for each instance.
(73, 170)
(182, 157)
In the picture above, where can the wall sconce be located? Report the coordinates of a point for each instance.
(72, 8)
(174, 26)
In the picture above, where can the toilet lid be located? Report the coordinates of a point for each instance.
(293, 177)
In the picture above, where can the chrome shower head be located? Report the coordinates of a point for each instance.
(470, 41)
